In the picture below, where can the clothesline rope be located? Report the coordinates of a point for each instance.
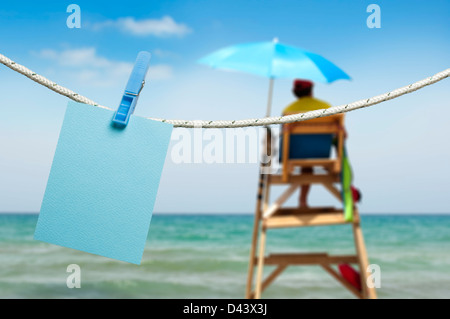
(237, 123)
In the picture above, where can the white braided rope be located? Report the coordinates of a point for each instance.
(239, 123)
(47, 83)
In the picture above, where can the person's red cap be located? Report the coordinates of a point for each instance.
(302, 84)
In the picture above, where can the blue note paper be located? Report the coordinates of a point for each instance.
(103, 183)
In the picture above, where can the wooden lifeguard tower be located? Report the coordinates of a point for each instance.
(274, 215)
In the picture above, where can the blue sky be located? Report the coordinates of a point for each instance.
(398, 149)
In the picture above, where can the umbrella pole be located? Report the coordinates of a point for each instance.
(269, 99)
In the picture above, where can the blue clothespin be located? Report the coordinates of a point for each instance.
(132, 90)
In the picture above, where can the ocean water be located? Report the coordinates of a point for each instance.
(206, 256)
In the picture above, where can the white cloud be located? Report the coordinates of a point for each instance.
(85, 57)
(164, 27)
(86, 66)
(164, 53)
(160, 72)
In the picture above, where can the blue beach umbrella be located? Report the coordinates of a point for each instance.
(274, 60)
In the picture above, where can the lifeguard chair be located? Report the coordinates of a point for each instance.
(307, 144)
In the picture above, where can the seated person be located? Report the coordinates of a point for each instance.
(303, 90)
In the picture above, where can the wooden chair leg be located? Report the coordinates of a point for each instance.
(257, 221)
(263, 238)
(259, 274)
(367, 292)
(251, 264)
(262, 203)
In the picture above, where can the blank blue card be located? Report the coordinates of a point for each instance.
(103, 183)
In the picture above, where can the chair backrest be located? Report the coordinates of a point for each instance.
(329, 125)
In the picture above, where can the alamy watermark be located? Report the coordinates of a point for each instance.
(374, 279)
(225, 146)
(74, 19)
(374, 19)
(74, 279)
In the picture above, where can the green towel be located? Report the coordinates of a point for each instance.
(346, 181)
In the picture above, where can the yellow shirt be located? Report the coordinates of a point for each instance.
(305, 104)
